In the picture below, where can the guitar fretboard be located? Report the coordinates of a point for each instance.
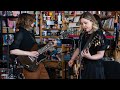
(46, 47)
(50, 44)
(88, 43)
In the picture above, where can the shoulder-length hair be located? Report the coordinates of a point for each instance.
(25, 20)
(90, 17)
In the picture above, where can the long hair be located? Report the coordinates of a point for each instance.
(25, 20)
(90, 17)
(98, 20)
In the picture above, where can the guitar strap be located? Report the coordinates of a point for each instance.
(89, 40)
(86, 45)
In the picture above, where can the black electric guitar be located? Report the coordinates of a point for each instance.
(93, 40)
(32, 63)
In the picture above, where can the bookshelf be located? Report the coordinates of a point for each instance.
(7, 31)
(1, 40)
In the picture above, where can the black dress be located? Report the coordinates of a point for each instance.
(93, 69)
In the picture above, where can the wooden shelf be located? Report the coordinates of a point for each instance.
(72, 15)
(108, 29)
(10, 30)
(37, 36)
(51, 29)
(58, 46)
(49, 36)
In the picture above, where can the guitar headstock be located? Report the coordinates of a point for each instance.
(65, 33)
(52, 43)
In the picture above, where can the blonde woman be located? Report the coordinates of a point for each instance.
(91, 58)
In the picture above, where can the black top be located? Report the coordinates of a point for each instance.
(98, 36)
(24, 40)
(93, 69)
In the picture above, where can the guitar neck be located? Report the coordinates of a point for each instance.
(50, 44)
(45, 48)
(88, 43)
